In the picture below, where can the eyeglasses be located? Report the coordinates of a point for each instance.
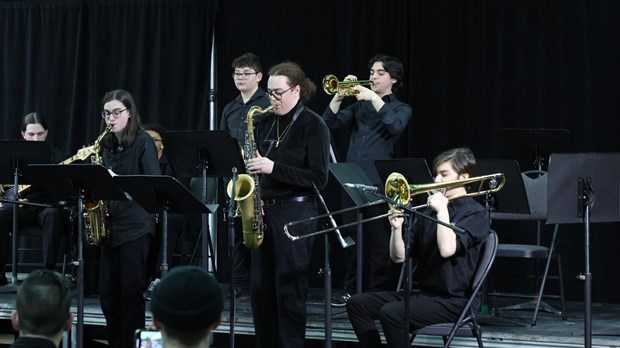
(278, 95)
(108, 114)
(244, 75)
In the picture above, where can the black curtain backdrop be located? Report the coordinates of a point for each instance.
(473, 68)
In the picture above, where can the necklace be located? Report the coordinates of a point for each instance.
(281, 137)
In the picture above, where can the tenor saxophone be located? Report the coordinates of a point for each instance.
(247, 194)
(95, 212)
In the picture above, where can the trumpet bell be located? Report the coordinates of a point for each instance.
(331, 86)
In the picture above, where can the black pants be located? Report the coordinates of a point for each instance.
(53, 221)
(389, 308)
(241, 259)
(279, 281)
(122, 278)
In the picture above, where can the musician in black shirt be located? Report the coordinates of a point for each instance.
(247, 74)
(294, 147)
(376, 121)
(127, 150)
(446, 260)
(53, 220)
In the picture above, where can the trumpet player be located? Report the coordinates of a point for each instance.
(446, 260)
(293, 146)
(375, 121)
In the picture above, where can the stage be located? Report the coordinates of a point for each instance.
(510, 329)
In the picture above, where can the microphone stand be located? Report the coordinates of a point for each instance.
(231, 252)
(327, 272)
(412, 211)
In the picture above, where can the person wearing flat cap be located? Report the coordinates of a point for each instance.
(186, 305)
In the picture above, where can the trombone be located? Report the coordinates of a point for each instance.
(400, 191)
(331, 86)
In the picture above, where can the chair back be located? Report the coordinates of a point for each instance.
(488, 250)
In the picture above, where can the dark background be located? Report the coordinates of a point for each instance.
(473, 68)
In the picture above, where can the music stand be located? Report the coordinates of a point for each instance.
(202, 153)
(511, 199)
(352, 173)
(542, 143)
(161, 194)
(583, 188)
(17, 154)
(76, 183)
(213, 153)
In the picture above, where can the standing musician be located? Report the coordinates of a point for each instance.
(294, 149)
(127, 150)
(247, 74)
(376, 121)
(446, 261)
(53, 220)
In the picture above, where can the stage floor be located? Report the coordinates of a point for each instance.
(510, 329)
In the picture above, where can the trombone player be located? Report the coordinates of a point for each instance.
(376, 121)
(446, 260)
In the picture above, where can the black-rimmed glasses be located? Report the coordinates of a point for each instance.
(108, 114)
(278, 95)
(244, 75)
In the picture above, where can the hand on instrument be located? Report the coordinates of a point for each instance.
(438, 202)
(259, 165)
(365, 93)
(396, 219)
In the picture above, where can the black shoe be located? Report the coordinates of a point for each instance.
(3, 280)
(341, 299)
(149, 292)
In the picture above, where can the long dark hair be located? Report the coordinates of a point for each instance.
(295, 76)
(127, 135)
(33, 118)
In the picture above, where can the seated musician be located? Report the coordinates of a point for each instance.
(446, 260)
(53, 220)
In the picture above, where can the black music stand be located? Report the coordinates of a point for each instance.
(161, 194)
(352, 173)
(202, 153)
(17, 154)
(511, 199)
(584, 188)
(213, 153)
(76, 183)
(540, 142)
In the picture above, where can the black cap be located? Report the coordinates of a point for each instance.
(187, 298)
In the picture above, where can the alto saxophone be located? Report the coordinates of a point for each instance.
(249, 205)
(95, 212)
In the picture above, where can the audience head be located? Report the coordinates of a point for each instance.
(34, 127)
(186, 305)
(43, 306)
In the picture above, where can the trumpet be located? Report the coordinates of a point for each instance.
(398, 190)
(331, 86)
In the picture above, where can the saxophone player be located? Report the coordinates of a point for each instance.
(293, 152)
(126, 150)
(53, 220)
